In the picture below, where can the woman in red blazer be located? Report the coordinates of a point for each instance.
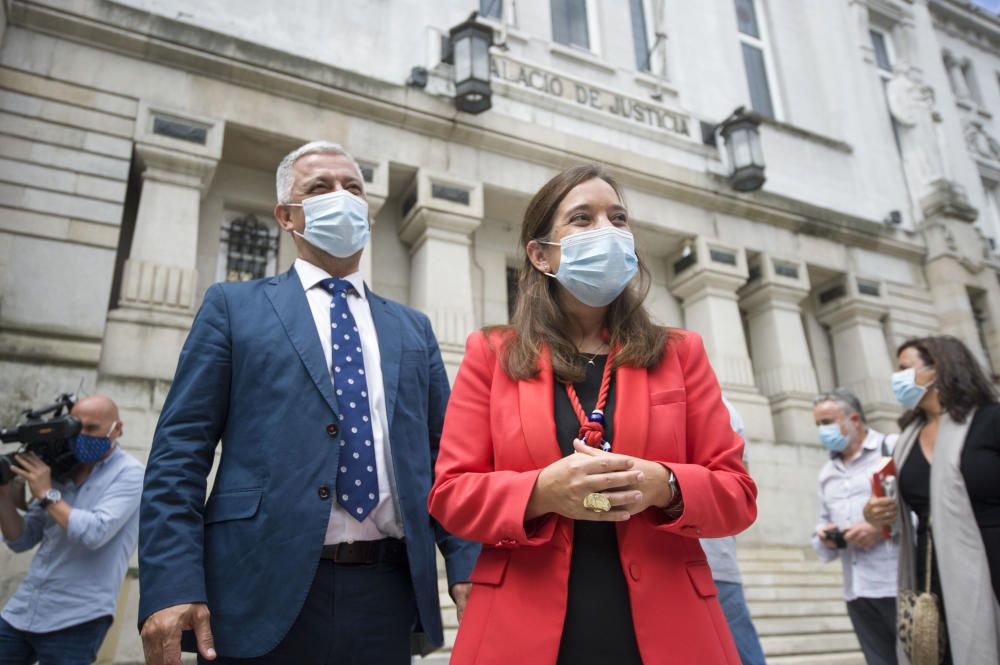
(589, 450)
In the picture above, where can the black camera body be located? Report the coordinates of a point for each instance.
(46, 433)
(836, 536)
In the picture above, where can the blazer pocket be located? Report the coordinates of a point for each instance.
(491, 567)
(234, 505)
(701, 579)
(413, 356)
(667, 396)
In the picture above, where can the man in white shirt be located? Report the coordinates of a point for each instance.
(329, 400)
(868, 559)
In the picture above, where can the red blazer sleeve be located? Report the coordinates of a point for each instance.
(720, 498)
(470, 498)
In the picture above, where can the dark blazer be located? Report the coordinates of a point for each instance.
(252, 374)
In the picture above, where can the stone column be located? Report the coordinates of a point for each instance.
(177, 156)
(706, 280)
(440, 214)
(959, 260)
(782, 362)
(146, 328)
(853, 309)
(376, 176)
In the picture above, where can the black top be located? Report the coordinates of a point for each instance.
(980, 464)
(915, 488)
(598, 628)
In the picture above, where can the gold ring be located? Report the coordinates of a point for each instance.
(597, 502)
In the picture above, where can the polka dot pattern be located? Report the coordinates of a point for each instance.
(357, 482)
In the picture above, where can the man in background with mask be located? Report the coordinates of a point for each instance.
(315, 545)
(87, 525)
(869, 560)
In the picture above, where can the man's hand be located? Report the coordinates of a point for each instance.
(35, 472)
(822, 533)
(460, 594)
(161, 633)
(863, 535)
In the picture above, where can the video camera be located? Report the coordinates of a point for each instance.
(46, 432)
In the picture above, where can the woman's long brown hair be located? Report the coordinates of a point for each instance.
(540, 320)
(960, 382)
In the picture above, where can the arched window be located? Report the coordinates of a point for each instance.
(249, 247)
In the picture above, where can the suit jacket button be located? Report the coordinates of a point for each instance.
(332, 429)
(323, 492)
(633, 570)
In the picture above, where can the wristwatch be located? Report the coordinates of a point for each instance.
(51, 496)
(675, 490)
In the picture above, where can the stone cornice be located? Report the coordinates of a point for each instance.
(146, 36)
(963, 19)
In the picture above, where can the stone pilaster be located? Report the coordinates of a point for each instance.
(146, 328)
(440, 214)
(706, 280)
(376, 176)
(962, 274)
(782, 363)
(854, 308)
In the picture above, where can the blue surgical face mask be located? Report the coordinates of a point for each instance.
(336, 223)
(906, 389)
(596, 266)
(88, 449)
(831, 437)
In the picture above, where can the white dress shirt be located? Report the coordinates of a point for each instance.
(844, 488)
(384, 520)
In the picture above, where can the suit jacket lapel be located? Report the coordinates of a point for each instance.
(387, 328)
(290, 304)
(538, 420)
(631, 419)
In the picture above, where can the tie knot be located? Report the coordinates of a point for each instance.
(335, 285)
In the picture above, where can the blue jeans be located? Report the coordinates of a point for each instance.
(734, 606)
(76, 645)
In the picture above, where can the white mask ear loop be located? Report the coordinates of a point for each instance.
(554, 244)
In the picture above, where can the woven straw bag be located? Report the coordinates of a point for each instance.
(918, 620)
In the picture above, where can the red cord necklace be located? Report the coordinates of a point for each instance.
(592, 426)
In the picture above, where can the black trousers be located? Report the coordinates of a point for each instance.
(354, 614)
(874, 621)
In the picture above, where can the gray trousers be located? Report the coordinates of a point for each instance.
(874, 621)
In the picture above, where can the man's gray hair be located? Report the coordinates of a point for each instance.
(285, 178)
(845, 400)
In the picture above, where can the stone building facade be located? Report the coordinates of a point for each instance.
(139, 138)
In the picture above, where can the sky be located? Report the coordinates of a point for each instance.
(988, 5)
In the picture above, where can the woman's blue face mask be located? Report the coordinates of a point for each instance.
(906, 389)
(596, 266)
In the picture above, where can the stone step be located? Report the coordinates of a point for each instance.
(747, 553)
(802, 625)
(826, 643)
(792, 579)
(754, 593)
(770, 566)
(847, 658)
(785, 608)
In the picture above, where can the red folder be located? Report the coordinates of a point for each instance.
(884, 484)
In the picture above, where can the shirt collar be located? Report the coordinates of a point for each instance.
(311, 275)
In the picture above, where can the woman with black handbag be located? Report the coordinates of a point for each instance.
(948, 462)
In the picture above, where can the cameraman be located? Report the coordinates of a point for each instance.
(88, 526)
(868, 559)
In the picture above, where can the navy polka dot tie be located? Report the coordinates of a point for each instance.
(357, 481)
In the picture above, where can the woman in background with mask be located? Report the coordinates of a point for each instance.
(589, 450)
(948, 463)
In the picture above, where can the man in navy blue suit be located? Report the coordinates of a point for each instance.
(315, 545)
